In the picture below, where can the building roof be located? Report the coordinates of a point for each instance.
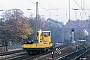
(77, 24)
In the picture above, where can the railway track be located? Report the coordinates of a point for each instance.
(15, 56)
(10, 52)
(85, 56)
(48, 56)
(19, 55)
(74, 55)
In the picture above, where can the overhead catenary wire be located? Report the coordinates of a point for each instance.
(54, 9)
(80, 7)
(86, 7)
(52, 13)
(44, 9)
(21, 3)
(52, 6)
(2, 7)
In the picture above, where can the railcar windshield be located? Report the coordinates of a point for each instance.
(46, 33)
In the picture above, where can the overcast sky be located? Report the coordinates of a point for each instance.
(57, 9)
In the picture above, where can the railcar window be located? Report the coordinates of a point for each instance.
(46, 34)
(37, 33)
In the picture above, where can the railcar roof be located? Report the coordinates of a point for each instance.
(45, 31)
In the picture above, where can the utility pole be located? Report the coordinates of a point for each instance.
(69, 9)
(37, 20)
(37, 13)
(69, 18)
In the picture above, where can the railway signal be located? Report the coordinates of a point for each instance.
(58, 51)
(52, 54)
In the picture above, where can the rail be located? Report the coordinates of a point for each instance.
(10, 52)
(73, 55)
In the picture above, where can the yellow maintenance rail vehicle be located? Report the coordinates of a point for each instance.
(43, 43)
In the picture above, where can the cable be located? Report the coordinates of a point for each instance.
(54, 8)
(45, 9)
(32, 1)
(80, 7)
(21, 4)
(80, 14)
(86, 6)
(50, 3)
(2, 7)
(54, 14)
